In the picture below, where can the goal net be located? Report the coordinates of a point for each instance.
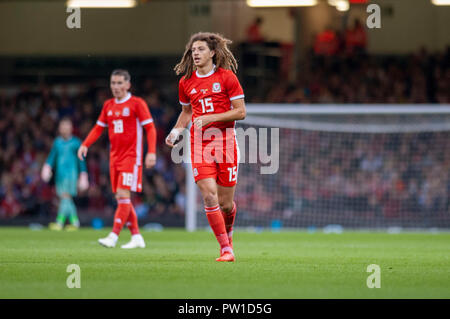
(350, 166)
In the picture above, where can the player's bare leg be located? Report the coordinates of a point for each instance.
(208, 189)
(228, 208)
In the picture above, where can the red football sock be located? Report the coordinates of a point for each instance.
(229, 220)
(217, 224)
(121, 215)
(132, 221)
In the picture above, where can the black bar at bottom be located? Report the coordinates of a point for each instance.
(224, 308)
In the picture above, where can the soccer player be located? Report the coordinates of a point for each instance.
(124, 116)
(210, 95)
(63, 159)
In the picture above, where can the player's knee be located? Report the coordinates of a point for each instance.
(210, 198)
(122, 193)
(226, 206)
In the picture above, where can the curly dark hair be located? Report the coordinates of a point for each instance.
(222, 58)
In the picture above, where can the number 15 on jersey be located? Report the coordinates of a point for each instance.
(207, 105)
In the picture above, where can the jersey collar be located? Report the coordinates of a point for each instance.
(208, 74)
(126, 98)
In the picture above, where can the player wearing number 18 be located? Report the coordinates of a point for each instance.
(212, 97)
(124, 116)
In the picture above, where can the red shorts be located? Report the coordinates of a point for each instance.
(129, 178)
(218, 162)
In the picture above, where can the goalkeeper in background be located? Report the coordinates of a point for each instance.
(68, 170)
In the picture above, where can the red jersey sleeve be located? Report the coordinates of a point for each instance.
(233, 87)
(143, 113)
(97, 130)
(184, 99)
(146, 120)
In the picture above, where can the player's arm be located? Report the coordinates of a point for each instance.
(150, 158)
(83, 181)
(185, 116)
(237, 113)
(93, 135)
(146, 120)
(46, 172)
(183, 121)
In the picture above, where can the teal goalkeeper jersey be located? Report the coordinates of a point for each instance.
(64, 161)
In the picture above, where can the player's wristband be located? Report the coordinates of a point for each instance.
(176, 132)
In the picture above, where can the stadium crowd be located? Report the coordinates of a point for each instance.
(28, 127)
(360, 78)
(352, 177)
(30, 116)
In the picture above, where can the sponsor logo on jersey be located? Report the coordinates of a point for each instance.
(204, 91)
(109, 113)
(193, 91)
(126, 111)
(195, 172)
(216, 87)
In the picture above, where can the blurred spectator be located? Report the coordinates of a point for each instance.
(326, 43)
(253, 31)
(356, 38)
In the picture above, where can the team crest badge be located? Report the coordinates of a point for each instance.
(126, 111)
(216, 87)
(195, 172)
(109, 113)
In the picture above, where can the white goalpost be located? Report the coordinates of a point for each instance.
(357, 166)
(191, 194)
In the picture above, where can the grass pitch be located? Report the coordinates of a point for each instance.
(178, 264)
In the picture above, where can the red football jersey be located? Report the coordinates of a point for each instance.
(124, 120)
(211, 93)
